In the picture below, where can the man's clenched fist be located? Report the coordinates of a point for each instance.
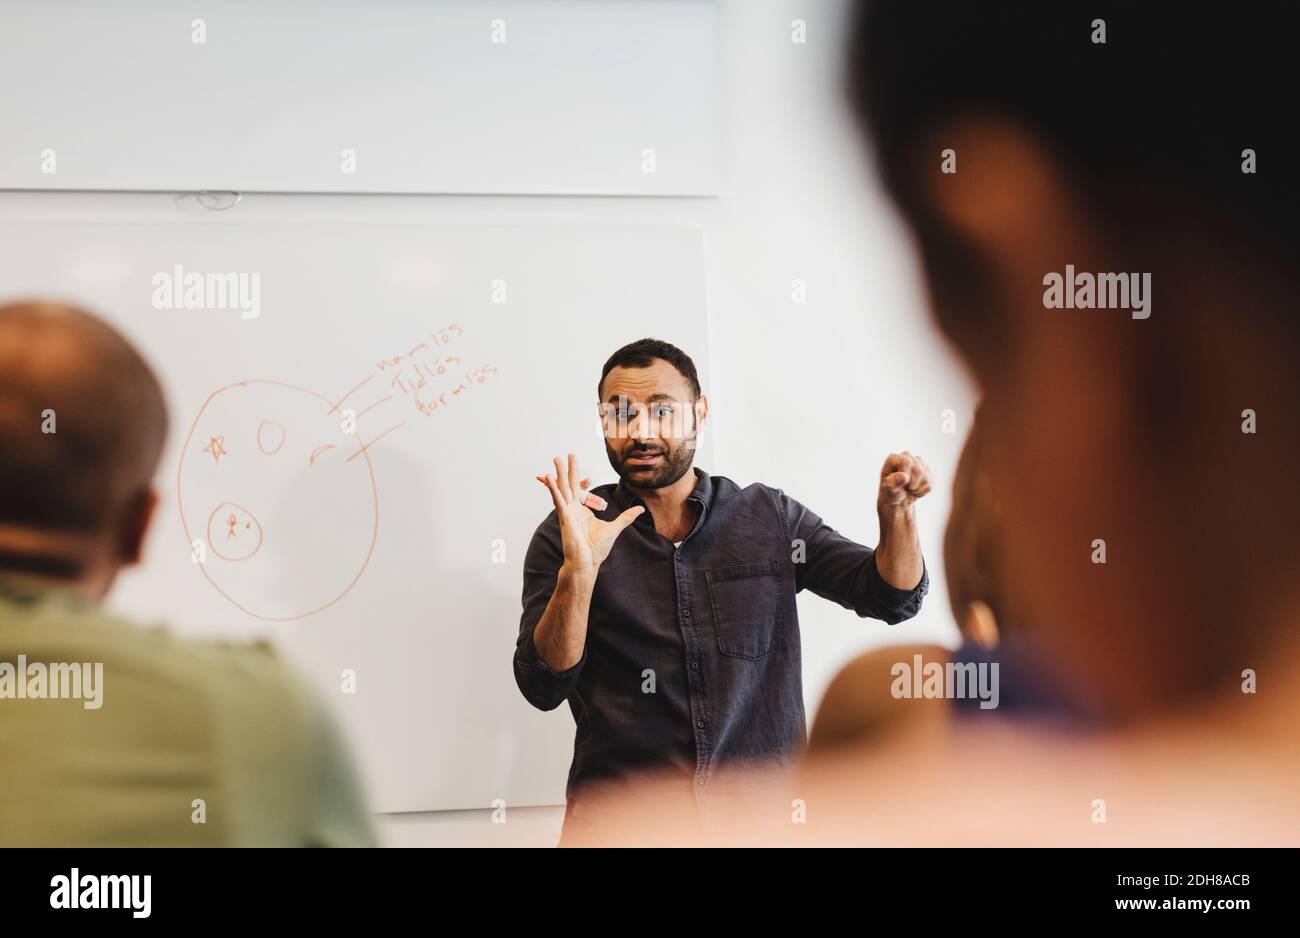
(903, 480)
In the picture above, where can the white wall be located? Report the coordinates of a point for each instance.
(413, 95)
(809, 398)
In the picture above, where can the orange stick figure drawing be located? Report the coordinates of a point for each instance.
(233, 522)
(217, 447)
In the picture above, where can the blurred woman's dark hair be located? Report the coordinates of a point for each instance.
(1159, 111)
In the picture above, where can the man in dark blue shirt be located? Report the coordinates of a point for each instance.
(662, 608)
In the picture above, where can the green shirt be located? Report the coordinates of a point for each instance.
(192, 743)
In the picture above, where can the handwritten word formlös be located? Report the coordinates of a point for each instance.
(471, 378)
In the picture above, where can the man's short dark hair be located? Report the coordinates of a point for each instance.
(1162, 109)
(642, 353)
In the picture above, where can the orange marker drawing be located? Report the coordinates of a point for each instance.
(594, 502)
(217, 447)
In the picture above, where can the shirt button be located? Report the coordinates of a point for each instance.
(695, 665)
(686, 613)
(700, 724)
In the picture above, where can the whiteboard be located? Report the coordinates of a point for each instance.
(418, 96)
(356, 461)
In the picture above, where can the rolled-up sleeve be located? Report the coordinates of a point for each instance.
(844, 571)
(543, 688)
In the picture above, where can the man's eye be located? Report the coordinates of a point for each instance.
(664, 411)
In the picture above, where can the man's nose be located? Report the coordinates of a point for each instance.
(639, 428)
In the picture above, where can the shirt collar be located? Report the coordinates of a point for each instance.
(28, 592)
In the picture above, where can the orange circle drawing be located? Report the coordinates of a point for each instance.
(234, 528)
(261, 432)
(312, 518)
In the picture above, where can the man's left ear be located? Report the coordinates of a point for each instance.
(135, 525)
(701, 411)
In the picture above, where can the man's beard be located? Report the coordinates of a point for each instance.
(676, 462)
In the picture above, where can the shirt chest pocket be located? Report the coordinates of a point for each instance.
(747, 607)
